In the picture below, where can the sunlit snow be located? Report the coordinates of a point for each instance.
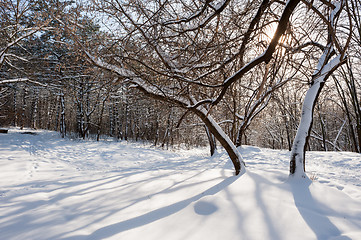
(53, 188)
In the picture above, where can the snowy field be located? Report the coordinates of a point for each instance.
(53, 188)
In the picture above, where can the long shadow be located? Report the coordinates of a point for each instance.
(261, 203)
(152, 216)
(142, 198)
(33, 146)
(237, 211)
(25, 207)
(310, 210)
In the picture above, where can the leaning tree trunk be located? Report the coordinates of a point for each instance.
(202, 113)
(222, 138)
(297, 163)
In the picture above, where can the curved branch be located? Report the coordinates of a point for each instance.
(326, 21)
(194, 16)
(267, 55)
(217, 11)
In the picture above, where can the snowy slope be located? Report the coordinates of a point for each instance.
(53, 188)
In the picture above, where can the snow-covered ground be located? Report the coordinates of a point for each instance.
(53, 188)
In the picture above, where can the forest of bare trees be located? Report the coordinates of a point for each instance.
(274, 74)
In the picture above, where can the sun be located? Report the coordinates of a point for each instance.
(269, 31)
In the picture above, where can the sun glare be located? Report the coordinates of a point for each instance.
(269, 31)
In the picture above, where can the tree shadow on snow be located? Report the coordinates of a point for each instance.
(152, 216)
(312, 212)
(25, 203)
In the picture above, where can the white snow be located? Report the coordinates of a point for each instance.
(53, 188)
(16, 80)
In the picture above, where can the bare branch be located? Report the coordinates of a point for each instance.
(264, 57)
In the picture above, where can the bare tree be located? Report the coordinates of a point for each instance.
(327, 64)
(182, 63)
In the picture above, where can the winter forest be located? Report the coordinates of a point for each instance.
(137, 119)
(275, 74)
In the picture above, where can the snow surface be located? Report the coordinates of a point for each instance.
(53, 188)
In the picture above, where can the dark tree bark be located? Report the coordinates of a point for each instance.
(211, 140)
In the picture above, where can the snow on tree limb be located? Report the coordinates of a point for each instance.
(297, 164)
(325, 67)
(30, 31)
(166, 95)
(15, 80)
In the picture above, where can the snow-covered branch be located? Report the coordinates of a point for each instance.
(325, 67)
(15, 80)
(28, 33)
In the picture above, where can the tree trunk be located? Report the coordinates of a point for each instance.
(111, 118)
(241, 132)
(211, 140)
(15, 105)
(297, 163)
(167, 131)
(211, 124)
(35, 111)
(62, 116)
(22, 124)
(323, 130)
(100, 119)
(222, 138)
(126, 121)
(156, 137)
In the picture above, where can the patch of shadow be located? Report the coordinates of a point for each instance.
(205, 208)
(311, 211)
(324, 181)
(339, 238)
(340, 188)
(149, 217)
(29, 133)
